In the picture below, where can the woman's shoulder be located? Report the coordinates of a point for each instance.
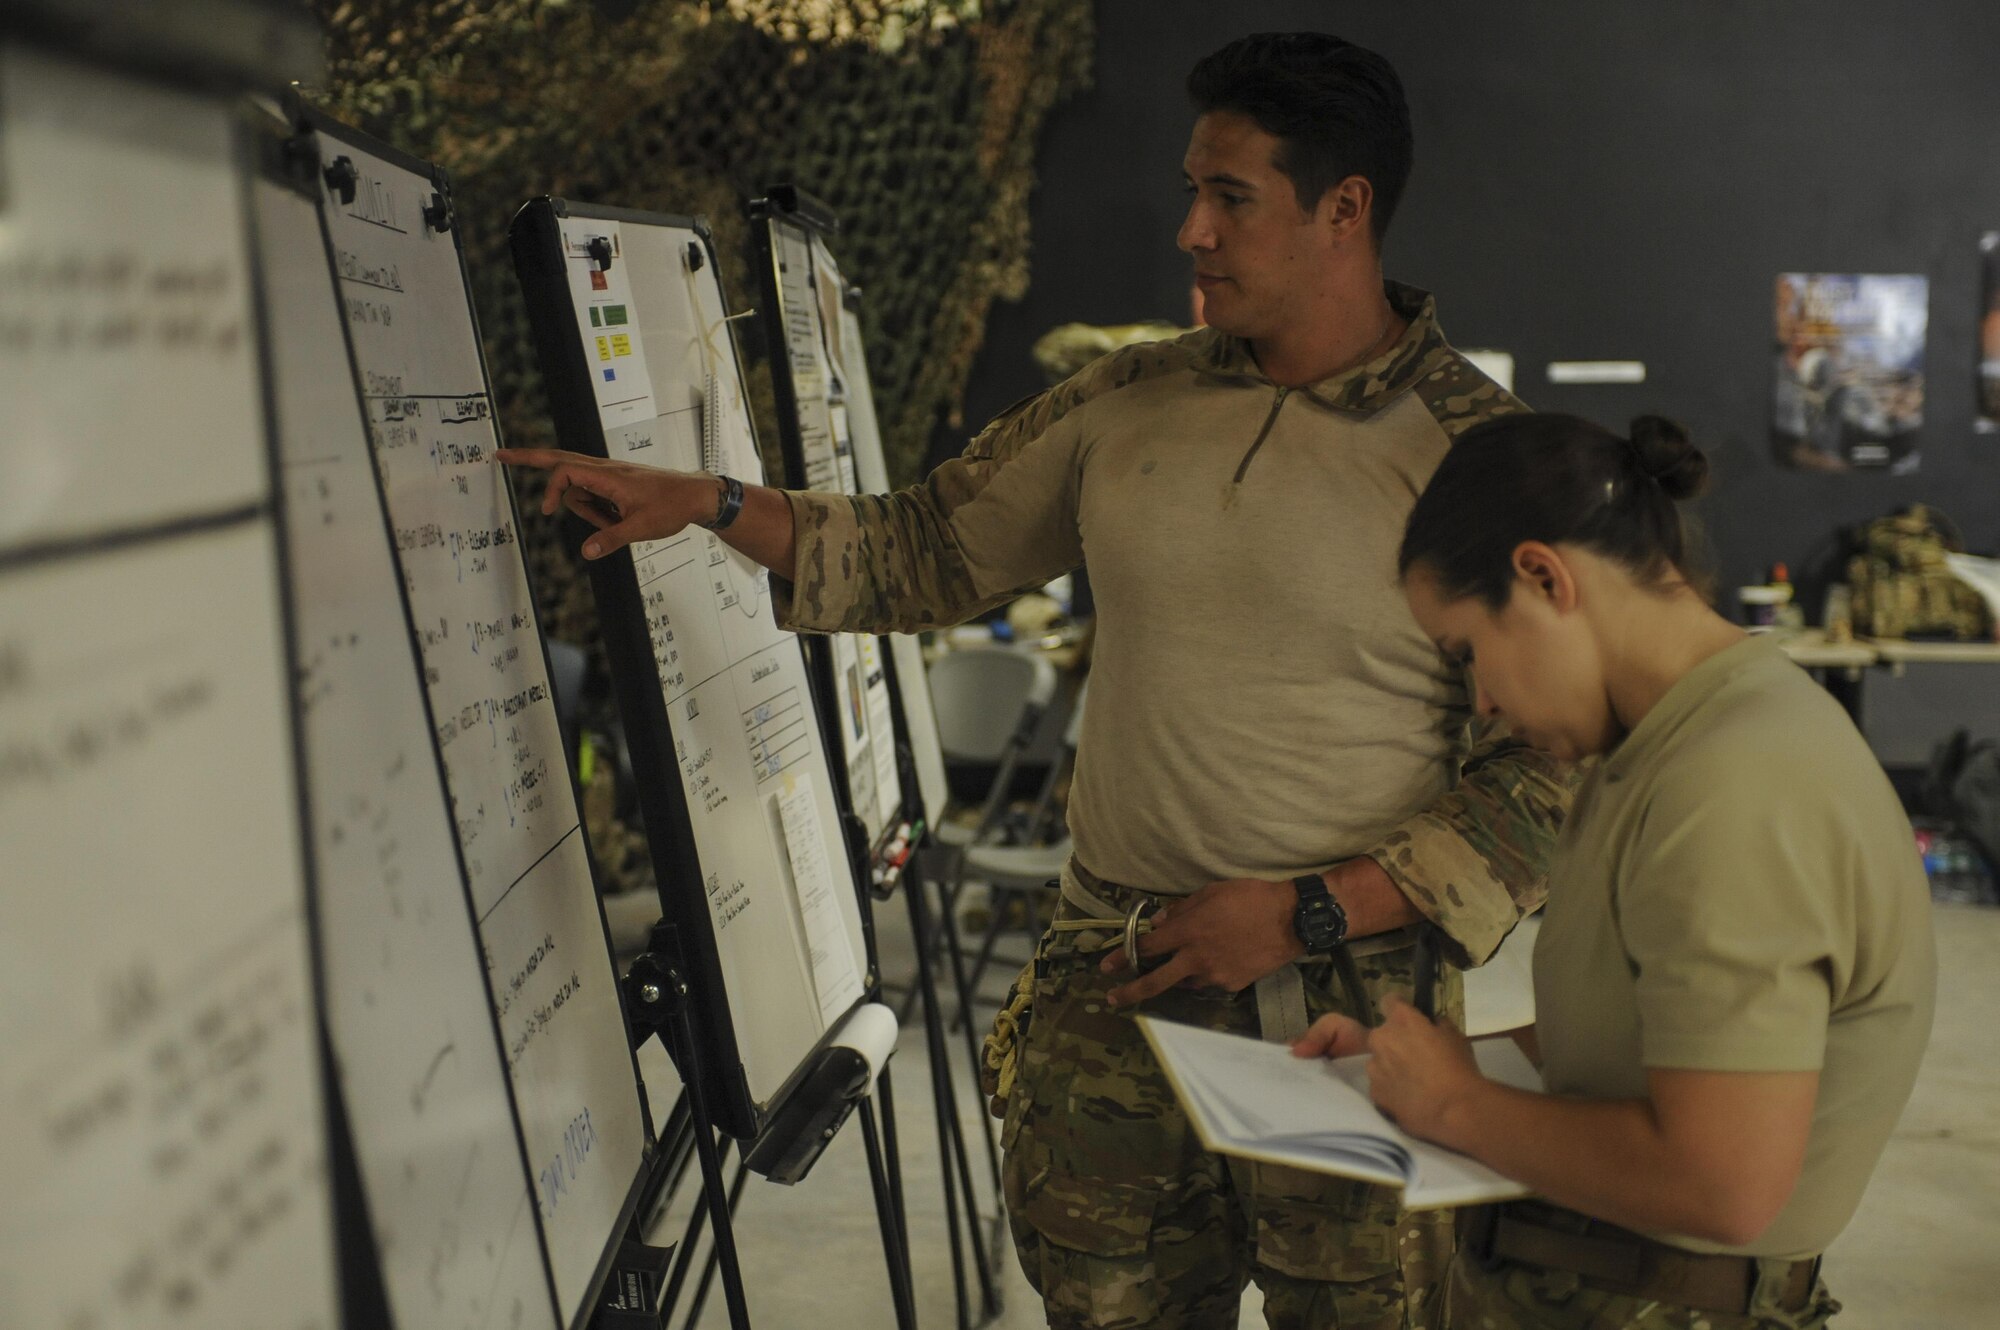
(1766, 737)
(1768, 705)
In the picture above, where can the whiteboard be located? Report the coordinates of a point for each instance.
(840, 442)
(821, 455)
(913, 687)
(641, 363)
(415, 1043)
(424, 386)
(161, 1120)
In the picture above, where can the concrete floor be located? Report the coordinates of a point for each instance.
(1922, 1254)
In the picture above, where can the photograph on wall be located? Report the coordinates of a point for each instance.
(1987, 421)
(1850, 373)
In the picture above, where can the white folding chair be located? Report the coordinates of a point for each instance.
(989, 702)
(1026, 868)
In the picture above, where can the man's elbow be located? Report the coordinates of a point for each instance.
(1737, 1212)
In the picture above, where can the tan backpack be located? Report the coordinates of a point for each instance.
(1902, 585)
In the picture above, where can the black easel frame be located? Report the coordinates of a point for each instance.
(702, 1036)
(312, 129)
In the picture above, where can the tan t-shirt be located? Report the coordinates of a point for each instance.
(1262, 704)
(1737, 889)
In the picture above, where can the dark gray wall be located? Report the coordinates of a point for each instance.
(1600, 181)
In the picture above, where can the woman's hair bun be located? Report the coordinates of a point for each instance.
(1669, 457)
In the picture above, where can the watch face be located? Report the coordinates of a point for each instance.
(1316, 925)
(1319, 921)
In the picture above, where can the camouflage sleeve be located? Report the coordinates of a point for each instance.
(996, 521)
(1477, 860)
(923, 557)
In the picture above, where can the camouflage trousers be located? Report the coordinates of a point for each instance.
(1518, 1297)
(1121, 1219)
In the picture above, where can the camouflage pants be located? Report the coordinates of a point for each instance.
(1515, 1297)
(1122, 1219)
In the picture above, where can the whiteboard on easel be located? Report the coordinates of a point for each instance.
(820, 456)
(912, 674)
(415, 1043)
(737, 786)
(161, 1114)
(430, 412)
(825, 376)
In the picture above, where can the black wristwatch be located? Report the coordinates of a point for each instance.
(728, 503)
(1319, 921)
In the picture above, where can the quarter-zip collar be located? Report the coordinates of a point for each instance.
(1263, 433)
(1364, 388)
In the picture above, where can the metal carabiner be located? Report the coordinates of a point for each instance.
(1138, 919)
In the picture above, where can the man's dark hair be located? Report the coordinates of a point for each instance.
(1337, 108)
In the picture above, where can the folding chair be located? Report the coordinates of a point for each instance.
(989, 702)
(1024, 869)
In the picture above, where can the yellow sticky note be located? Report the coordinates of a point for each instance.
(603, 349)
(621, 345)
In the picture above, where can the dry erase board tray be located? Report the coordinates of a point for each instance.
(741, 809)
(426, 393)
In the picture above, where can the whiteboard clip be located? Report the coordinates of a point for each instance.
(342, 179)
(438, 214)
(301, 156)
(599, 249)
(695, 258)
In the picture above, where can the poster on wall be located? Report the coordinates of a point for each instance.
(1987, 421)
(1850, 371)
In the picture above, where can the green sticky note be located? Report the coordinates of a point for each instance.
(614, 316)
(595, 321)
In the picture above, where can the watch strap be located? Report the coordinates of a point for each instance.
(729, 503)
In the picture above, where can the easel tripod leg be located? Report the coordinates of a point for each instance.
(956, 1154)
(736, 1185)
(885, 1212)
(684, 1256)
(957, 955)
(942, 1099)
(885, 1092)
(988, 1289)
(720, 1207)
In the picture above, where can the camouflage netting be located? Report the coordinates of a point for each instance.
(915, 119)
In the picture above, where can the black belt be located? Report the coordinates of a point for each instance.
(1618, 1260)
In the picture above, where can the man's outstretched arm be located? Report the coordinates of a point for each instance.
(627, 503)
(977, 531)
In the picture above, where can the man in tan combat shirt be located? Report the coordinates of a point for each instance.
(1273, 749)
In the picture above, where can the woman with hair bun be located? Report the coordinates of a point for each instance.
(1735, 976)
